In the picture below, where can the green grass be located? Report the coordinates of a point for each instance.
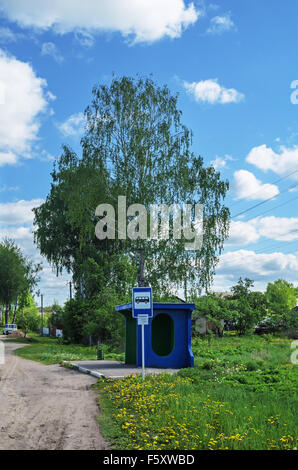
(51, 351)
(241, 394)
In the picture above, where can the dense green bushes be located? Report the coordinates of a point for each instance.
(97, 318)
(243, 309)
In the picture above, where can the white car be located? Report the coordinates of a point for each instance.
(9, 329)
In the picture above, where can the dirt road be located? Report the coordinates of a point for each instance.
(46, 407)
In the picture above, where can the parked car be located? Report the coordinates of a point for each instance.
(9, 328)
(267, 325)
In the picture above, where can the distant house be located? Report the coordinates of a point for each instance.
(202, 325)
(223, 294)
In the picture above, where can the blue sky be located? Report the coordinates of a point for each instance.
(232, 64)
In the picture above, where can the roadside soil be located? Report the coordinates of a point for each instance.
(46, 407)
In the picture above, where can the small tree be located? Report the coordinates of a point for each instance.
(94, 317)
(28, 319)
(55, 315)
(249, 307)
(214, 309)
(281, 297)
(75, 317)
(246, 316)
(18, 276)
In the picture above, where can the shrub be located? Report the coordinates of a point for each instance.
(209, 364)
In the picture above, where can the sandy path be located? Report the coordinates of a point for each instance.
(46, 407)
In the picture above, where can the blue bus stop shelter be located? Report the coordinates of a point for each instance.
(167, 336)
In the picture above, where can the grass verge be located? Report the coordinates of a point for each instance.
(241, 395)
(51, 351)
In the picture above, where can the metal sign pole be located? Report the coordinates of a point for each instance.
(143, 353)
(41, 314)
(142, 309)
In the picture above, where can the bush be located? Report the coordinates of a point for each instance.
(209, 364)
(28, 319)
(75, 316)
(94, 317)
(253, 365)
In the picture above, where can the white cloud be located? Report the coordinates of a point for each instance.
(210, 91)
(84, 38)
(283, 229)
(2, 92)
(221, 162)
(221, 24)
(280, 229)
(51, 96)
(247, 263)
(17, 233)
(242, 233)
(8, 158)
(18, 213)
(141, 20)
(247, 186)
(265, 158)
(262, 268)
(73, 126)
(49, 48)
(24, 100)
(16, 223)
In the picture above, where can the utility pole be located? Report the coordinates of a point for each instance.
(70, 289)
(141, 280)
(41, 314)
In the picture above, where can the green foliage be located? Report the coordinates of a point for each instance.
(136, 146)
(239, 396)
(51, 351)
(55, 315)
(247, 307)
(75, 317)
(214, 308)
(94, 317)
(244, 307)
(18, 276)
(281, 297)
(75, 192)
(106, 324)
(28, 319)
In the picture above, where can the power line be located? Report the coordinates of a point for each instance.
(274, 182)
(274, 247)
(264, 202)
(272, 208)
(275, 207)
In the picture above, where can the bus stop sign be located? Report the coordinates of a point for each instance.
(142, 303)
